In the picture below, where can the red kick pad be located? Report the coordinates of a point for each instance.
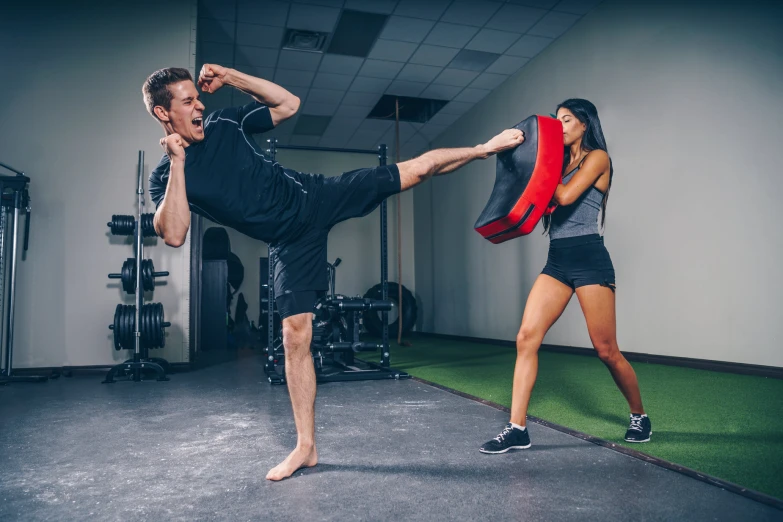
(525, 181)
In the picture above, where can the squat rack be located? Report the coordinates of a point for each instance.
(382, 370)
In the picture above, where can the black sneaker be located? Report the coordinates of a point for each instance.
(639, 430)
(510, 438)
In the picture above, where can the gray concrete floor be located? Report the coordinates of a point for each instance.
(198, 448)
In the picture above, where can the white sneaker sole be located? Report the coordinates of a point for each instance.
(503, 451)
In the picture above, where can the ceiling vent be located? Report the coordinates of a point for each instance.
(299, 40)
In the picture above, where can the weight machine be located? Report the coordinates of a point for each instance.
(338, 318)
(14, 199)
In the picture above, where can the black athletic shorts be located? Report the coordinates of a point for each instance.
(300, 264)
(580, 261)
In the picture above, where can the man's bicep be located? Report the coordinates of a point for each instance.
(255, 118)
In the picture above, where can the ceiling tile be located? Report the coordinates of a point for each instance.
(333, 140)
(217, 53)
(430, 10)
(543, 4)
(418, 140)
(528, 46)
(576, 6)
(352, 111)
(328, 3)
(466, 12)
(419, 73)
(554, 24)
(259, 35)
(267, 12)
(507, 64)
(290, 78)
(470, 60)
(488, 81)
(374, 126)
(369, 85)
(312, 17)
(319, 109)
(407, 130)
(492, 41)
(218, 9)
(440, 92)
(433, 55)
(406, 29)
(338, 64)
(471, 95)
(266, 73)
(450, 35)
(403, 88)
(332, 81)
(343, 125)
(255, 56)
(300, 60)
(362, 141)
(325, 96)
(443, 118)
(515, 18)
(366, 99)
(218, 31)
(371, 6)
(456, 77)
(431, 131)
(455, 107)
(380, 69)
(392, 51)
(300, 92)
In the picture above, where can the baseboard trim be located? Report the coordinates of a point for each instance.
(703, 477)
(773, 372)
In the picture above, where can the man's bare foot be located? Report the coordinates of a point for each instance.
(299, 458)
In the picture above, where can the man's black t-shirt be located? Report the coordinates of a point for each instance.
(231, 182)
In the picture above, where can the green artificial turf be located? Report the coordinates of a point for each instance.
(726, 425)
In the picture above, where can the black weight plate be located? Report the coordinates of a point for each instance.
(117, 312)
(124, 327)
(162, 331)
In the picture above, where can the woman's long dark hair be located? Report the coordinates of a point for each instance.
(593, 139)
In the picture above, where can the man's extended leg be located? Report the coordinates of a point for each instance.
(300, 375)
(443, 161)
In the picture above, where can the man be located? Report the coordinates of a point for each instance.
(231, 182)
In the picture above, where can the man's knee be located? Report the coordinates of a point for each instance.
(297, 332)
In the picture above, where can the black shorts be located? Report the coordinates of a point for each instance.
(580, 261)
(300, 264)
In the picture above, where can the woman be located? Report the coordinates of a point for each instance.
(578, 262)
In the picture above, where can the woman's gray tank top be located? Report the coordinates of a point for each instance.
(581, 217)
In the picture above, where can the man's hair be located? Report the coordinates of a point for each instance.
(156, 90)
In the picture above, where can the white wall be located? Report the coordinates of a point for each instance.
(356, 241)
(72, 117)
(689, 98)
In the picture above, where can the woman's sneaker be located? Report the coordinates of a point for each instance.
(639, 430)
(510, 438)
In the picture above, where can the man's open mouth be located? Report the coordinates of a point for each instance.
(197, 121)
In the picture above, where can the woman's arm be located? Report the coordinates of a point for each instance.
(595, 164)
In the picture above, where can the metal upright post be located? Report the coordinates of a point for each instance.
(12, 284)
(384, 267)
(139, 257)
(270, 301)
